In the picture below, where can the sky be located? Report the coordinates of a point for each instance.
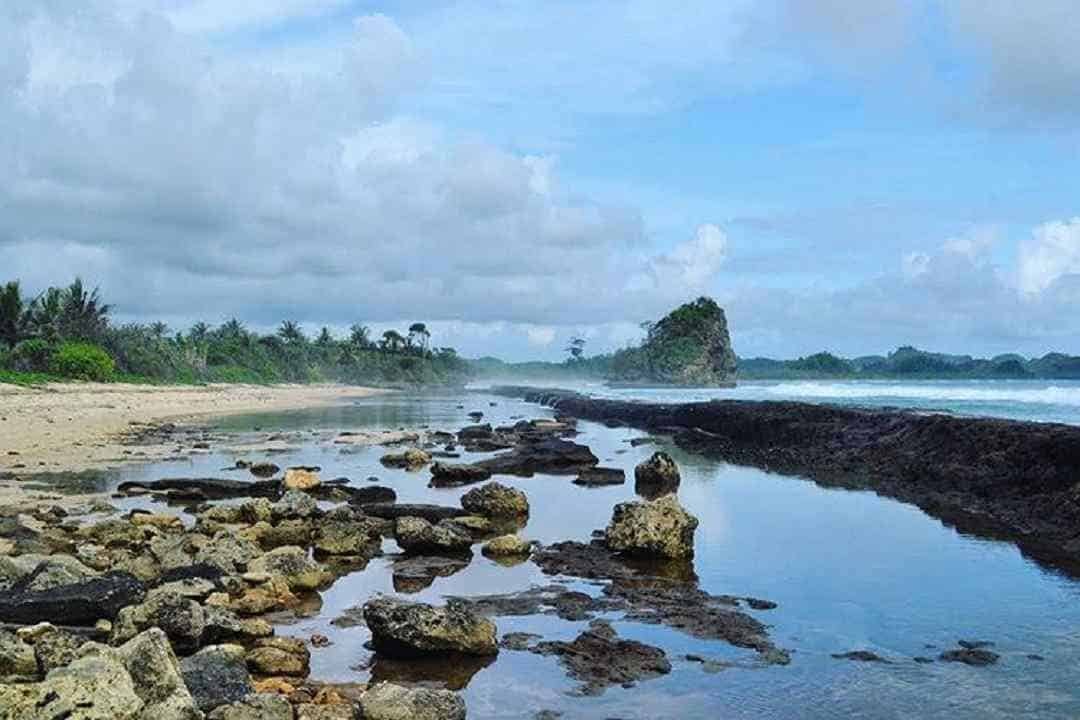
(839, 175)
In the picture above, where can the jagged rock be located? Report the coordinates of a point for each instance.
(292, 563)
(401, 629)
(38, 572)
(475, 432)
(598, 658)
(416, 535)
(96, 687)
(657, 476)
(17, 659)
(301, 478)
(387, 701)
(228, 552)
(217, 675)
(294, 504)
(182, 619)
(352, 534)
(155, 673)
(113, 533)
(411, 459)
(598, 476)
(223, 625)
(496, 500)
(259, 706)
(286, 532)
(54, 647)
(81, 603)
(658, 528)
(977, 656)
(507, 545)
(280, 656)
(450, 475)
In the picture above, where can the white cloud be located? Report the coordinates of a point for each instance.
(540, 336)
(691, 265)
(1052, 253)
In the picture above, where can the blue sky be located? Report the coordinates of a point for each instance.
(840, 175)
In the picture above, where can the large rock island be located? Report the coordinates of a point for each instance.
(689, 347)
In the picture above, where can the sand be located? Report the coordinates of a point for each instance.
(79, 426)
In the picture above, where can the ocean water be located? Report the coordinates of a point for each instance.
(1033, 400)
(849, 570)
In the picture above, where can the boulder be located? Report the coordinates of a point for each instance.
(95, 687)
(44, 572)
(496, 500)
(657, 476)
(271, 594)
(387, 701)
(455, 475)
(357, 536)
(181, 618)
(411, 459)
(155, 673)
(292, 563)
(598, 476)
(259, 706)
(54, 647)
(294, 504)
(82, 603)
(402, 629)
(416, 535)
(227, 552)
(17, 659)
(311, 711)
(159, 521)
(301, 478)
(280, 656)
(217, 675)
(223, 626)
(658, 528)
(507, 546)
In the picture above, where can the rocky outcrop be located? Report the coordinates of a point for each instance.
(450, 475)
(544, 454)
(495, 500)
(401, 629)
(82, 603)
(392, 511)
(658, 528)
(657, 476)
(387, 701)
(600, 659)
(217, 675)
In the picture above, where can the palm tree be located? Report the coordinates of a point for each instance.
(324, 339)
(13, 313)
(290, 332)
(84, 316)
(392, 341)
(360, 336)
(45, 315)
(419, 335)
(199, 332)
(159, 329)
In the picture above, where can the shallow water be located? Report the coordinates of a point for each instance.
(849, 570)
(1034, 400)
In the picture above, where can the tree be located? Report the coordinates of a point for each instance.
(45, 313)
(392, 341)
(159, 329)
(199, 332)
(324, 339)
(360, 336)
(83, 315)
(576, 348)
(290, 332)
(233, 329)
(419, 336)
(13, 314)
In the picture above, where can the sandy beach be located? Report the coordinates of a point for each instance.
(71, 427)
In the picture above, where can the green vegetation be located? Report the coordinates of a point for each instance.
(65, 333)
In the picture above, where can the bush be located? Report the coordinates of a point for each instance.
(82, 361)
(31, 356)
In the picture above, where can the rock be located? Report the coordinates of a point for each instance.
(450, 475)
(292, 563)
(657, 476)
(978, 657)
(386, 701)
(160, 521)
(223, 626)
(392, 511)
(311, 711)
(301, 478)
(82, 603)
(294, 504)
(475, 432)
(416, 535)
(658, 528)
(54, 647)
(273, 594)
(17, 659)
(182, 619)
(204, 488)
(507, 545)
(280, 656)
(496, 500)
(598, 476)
(401, 629)
(263, 469)
(358, 535)
(286, 532)
(259, 706)
(114, 534)
(155, 673)
(227, 552)
(37, 572)
(599, 659)
(549, 455)
(217, 675)
(413, 574)
(861, 656)
(96, 687)
(411, 459)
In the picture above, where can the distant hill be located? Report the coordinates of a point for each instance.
(910, 362)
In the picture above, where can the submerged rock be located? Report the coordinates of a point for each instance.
(657, 476)
(978, 657)
(401, 629)
(658, 528)
(861, 656)
(263, 469)
(599, 658)
(598, 476)
(387, 701)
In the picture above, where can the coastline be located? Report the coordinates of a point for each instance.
(1003, 479)
(71, 427)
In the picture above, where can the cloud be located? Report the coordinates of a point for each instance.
(1052, 252)
(692, 264)
(540, 336)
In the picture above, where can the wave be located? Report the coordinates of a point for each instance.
(1049, 395)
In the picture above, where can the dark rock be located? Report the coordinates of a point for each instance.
(599, 659)
(452, 672)
(597, 476)
(519, 641)
(418, 536)
(205, 488)
(657, 476)
(447, 475)
(264, 469)
(977, 657)
(78, 604)
(974, 644)
(413, 574)
(860, 656)
(401, 629)
(392, 511)
(548, 455)
(217, 675)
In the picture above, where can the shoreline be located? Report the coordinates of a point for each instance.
(72, 427)
(1002, 479)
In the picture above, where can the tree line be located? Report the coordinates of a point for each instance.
(67, 332)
